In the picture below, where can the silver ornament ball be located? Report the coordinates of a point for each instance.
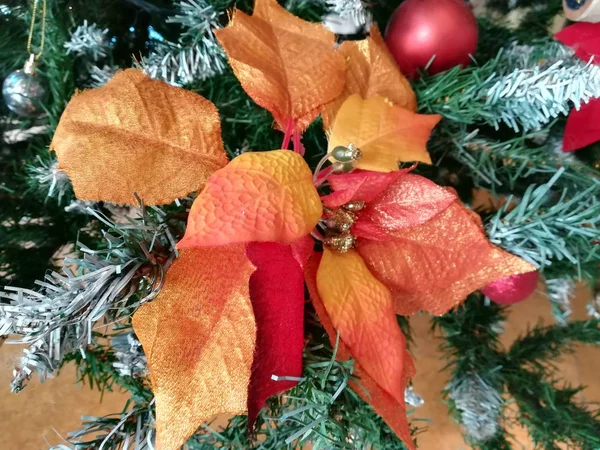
(23, 93)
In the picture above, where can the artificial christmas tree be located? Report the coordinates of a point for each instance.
(351, 184)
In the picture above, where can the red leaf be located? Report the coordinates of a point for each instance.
(360, 185)
(410, 201)
(583, 127)
(277, 295)
(584, 38)
(302, 250)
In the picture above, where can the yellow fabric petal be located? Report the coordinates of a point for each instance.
(371, 71)
(385, 134)
(361, 309)
(257, 197)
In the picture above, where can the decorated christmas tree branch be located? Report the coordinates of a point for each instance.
(545, 228)
(541, 344)
(483, 373)
(513, 88)
(105, 285)
(514, 164)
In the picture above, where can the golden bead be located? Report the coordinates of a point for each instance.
(342, 243)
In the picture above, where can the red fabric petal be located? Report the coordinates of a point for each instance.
(583, 126)
(277, 295)
(584, 38)
(302, 250)
(360, 185)
(391, 411)
(410, 201)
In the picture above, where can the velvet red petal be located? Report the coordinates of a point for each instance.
(393, 412)
(360, 185)
(583, 126)
(410, 201)
(583, 38)
(277, 295)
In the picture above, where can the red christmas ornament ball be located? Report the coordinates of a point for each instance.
(420, 29)
(512, 289)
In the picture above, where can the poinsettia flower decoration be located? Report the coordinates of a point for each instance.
(582, 127)
(226, 331)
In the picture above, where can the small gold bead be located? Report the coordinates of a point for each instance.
(340, 220)
(342, 243)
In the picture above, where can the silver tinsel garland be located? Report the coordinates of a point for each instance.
(560, 293)
(90, 41)
(103, 287)
(479, 406)
(548, 81)
(197, 55)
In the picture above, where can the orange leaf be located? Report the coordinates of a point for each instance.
(199, 337)
(138, 135)
(287, 65)
(361, 309)
(371, 71)
(384, 133)
(392, 411)
(257, 197)
(434, 266)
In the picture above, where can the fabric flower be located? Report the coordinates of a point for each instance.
(582, 127)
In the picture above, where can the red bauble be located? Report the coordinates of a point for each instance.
(420, 29)
(512, 289)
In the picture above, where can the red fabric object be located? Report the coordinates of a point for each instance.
(392, 411)
(410, 201)
(583, 38)
(583, 127)
(302, 250)
(277, 295)
(360, 185)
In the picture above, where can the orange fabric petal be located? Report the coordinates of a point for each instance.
(257, 197)
(409, 201)
(287, 65)
(434, 266)
(386, 134)
(361, 308)
(392, 411)
(371, 71)
(199, 337)
(124, 137)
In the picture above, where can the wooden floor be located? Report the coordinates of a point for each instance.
(42, 413)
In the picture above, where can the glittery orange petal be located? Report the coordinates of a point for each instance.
(371, 71)
(385, 134)
(407, 202)
(199, 337)
(124, 138)
(257, 197)
(434, 266)
(287, 65)
(361, 308)
(392, 411)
